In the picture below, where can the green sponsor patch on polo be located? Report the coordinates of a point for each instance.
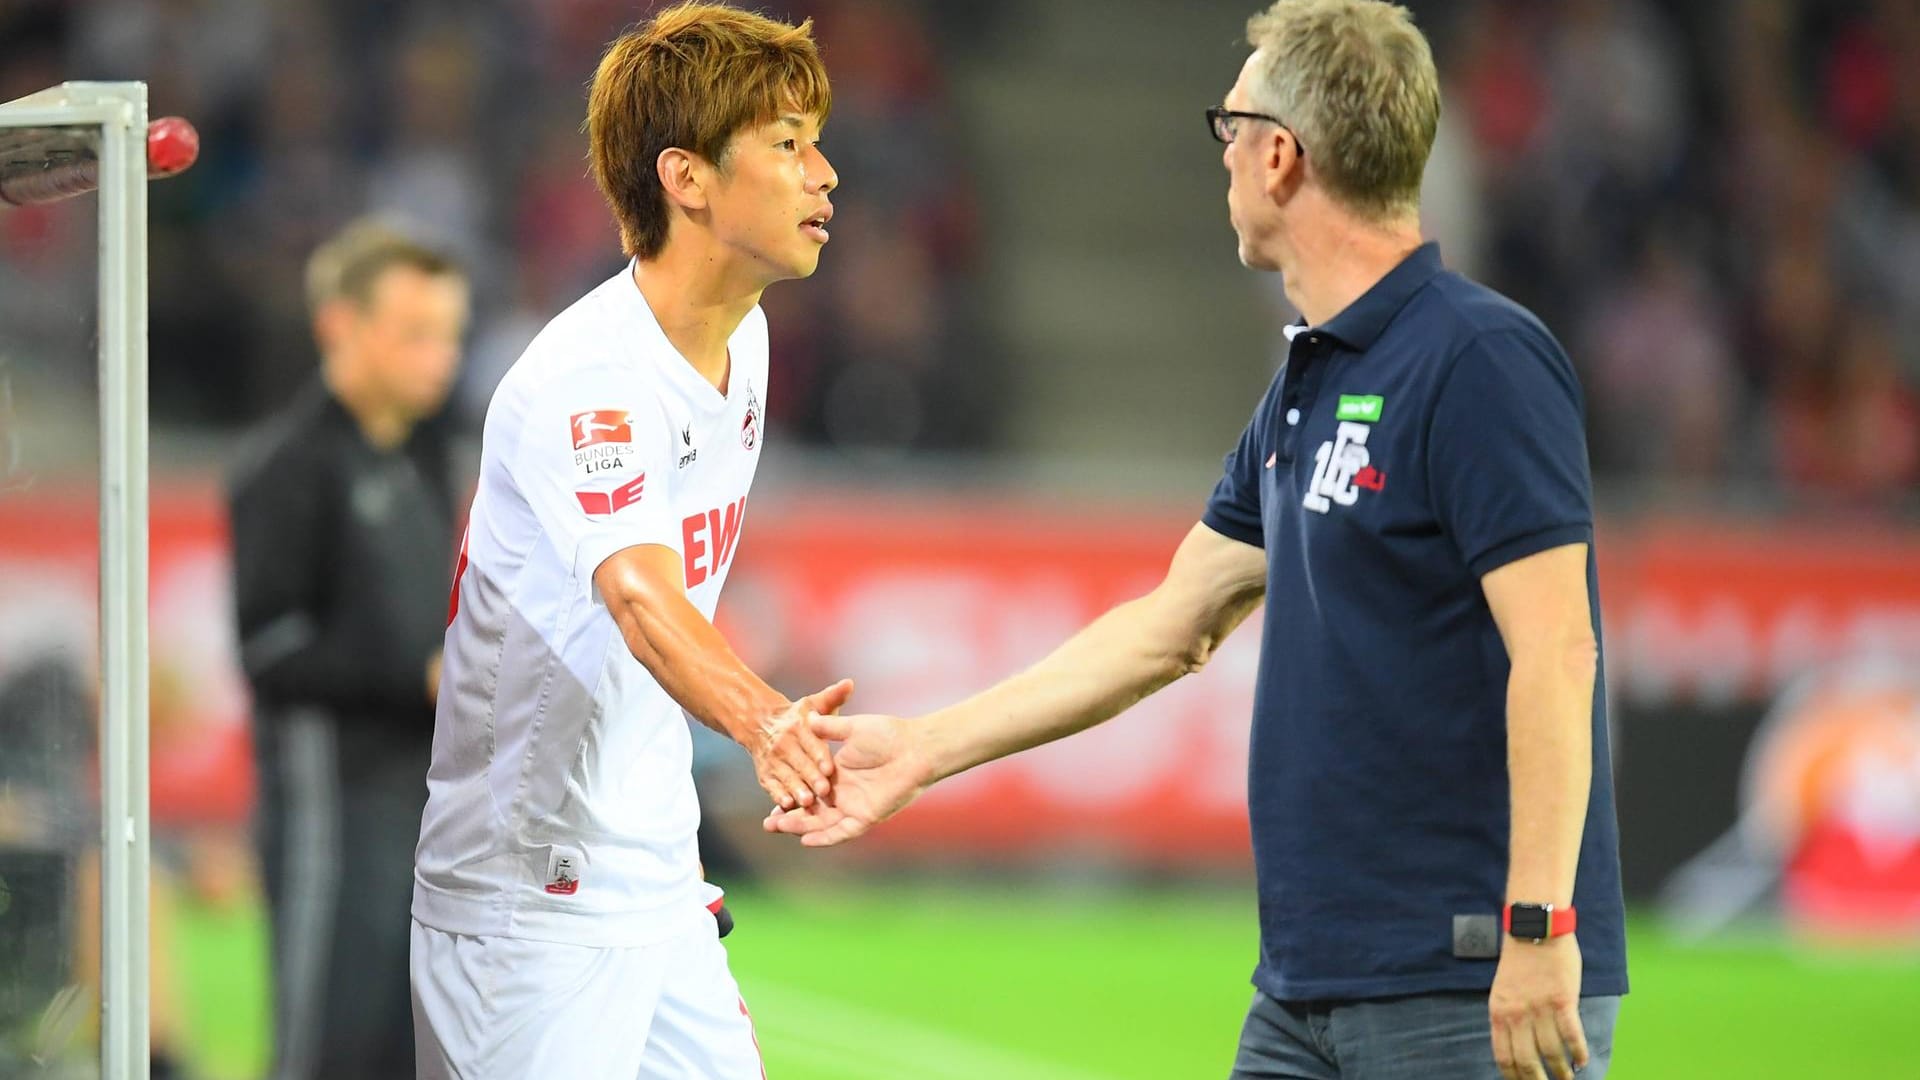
(1362, 407)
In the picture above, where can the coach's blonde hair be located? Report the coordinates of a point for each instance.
(349, 265)
(689, 78)
(1355, 81)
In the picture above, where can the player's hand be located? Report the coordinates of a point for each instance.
(1535, 1007)
(879, 770)
(433, 677)
(790, 760)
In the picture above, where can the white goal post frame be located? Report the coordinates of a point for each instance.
(119, 111)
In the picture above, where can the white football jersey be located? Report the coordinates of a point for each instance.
(560, 801)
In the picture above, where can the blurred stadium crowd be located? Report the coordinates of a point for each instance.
(1717, 207)
(463, 120)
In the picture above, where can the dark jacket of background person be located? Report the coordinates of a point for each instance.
(342, 555)
(341, 559)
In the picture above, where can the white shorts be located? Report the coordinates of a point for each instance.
(493, 1008)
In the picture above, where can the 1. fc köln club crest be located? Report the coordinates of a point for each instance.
(750, 427)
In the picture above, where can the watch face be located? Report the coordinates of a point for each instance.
(1530, 921)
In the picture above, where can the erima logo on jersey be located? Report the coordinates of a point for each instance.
(604, 503)
(689, 453)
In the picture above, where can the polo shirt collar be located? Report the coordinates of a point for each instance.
(1361, 323)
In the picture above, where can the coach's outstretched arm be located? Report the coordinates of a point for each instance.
(1118, 659)
(644, 592)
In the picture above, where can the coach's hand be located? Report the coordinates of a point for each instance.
(880, 769)
(1535, 1007)
(790, 760)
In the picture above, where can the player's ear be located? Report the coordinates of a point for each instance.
(683, 177)
(331, 321)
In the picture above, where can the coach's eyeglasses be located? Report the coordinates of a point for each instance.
(1220, 123)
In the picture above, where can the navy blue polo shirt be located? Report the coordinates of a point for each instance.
(1427, 434)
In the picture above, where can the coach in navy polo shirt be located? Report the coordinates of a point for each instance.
(1426, 436)
(1429, 789)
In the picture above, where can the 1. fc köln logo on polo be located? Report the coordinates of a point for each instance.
(1343, 465)
(1341, 468)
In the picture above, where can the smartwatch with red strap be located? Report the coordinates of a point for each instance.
(1538, 922)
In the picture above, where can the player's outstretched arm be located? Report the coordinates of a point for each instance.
(644, 591)
(1118, 659)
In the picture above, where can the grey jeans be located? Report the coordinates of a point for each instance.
(1409, 1038)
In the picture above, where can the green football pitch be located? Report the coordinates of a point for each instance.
(995, 983)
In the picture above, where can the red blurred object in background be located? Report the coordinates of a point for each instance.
(172, 146)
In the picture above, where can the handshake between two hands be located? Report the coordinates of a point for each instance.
(827, 797)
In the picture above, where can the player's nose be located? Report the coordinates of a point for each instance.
(821, 176)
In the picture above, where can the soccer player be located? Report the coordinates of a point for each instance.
(560, 924)
(1412, 501)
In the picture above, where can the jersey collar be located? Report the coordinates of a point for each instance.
(1361, 323)
(654, 348)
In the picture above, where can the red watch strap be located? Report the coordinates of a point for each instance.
(1561, 922)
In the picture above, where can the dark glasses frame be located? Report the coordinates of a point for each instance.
(1221, 127)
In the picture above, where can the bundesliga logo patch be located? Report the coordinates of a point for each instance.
(602, 440)
(601, 426)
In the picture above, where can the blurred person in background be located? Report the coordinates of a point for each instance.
(50, 877)
(1848, 429)
(561, 925)
(880, 353)
(343, 528)
(1663, 384)
(1429, 788)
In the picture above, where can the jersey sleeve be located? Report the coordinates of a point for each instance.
(594, 463)
(1233, 510)
(1507, 451)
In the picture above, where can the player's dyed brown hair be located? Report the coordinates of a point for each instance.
(349, 265)
(690, 77)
